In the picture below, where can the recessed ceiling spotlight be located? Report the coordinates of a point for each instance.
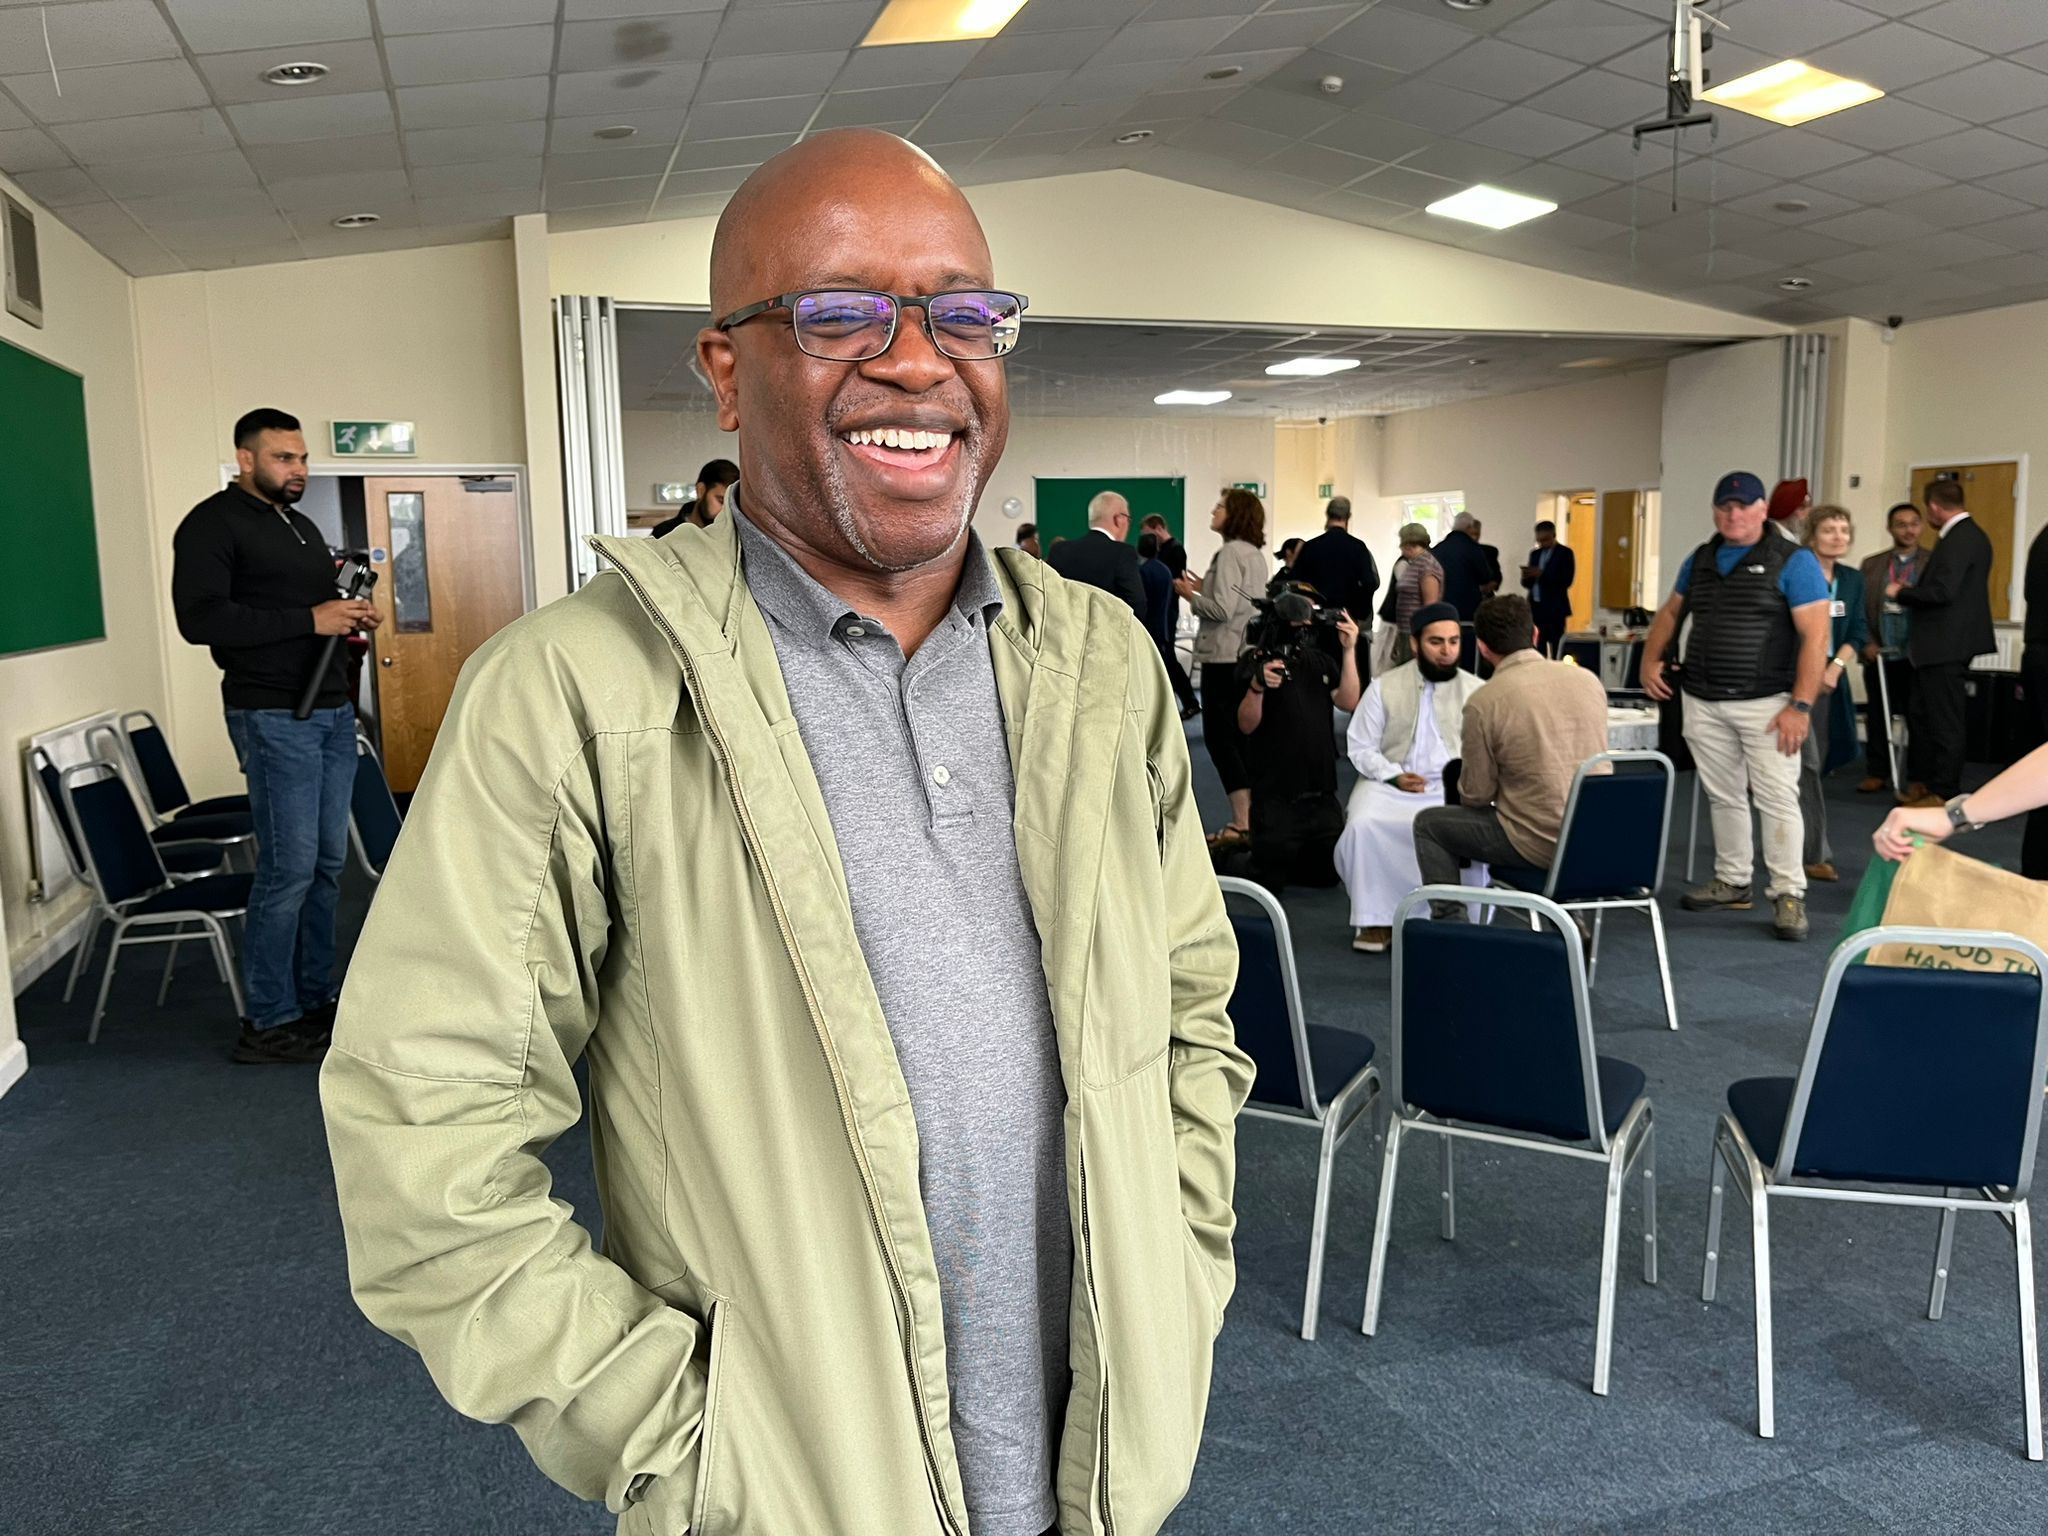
(1491, 206)
(357, 220)
(1311, 367)
(1227, 72)
(295, 74)
(1192, 397)
(1792, 205)
(1135, 136)
(1795, 284)
(1791, 92)
(1468, 5)
(616, 131)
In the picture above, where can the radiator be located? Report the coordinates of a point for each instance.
(49, 863)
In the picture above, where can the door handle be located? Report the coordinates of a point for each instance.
(384, 661)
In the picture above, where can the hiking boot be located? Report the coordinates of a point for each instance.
(316, 1025)
(1372, 941)
(1790, 920)
(1913, 791)
(1717, 895)
(1873, 785)
(1822, 871)
(277, 1046)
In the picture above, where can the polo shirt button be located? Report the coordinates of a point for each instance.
(854, 631)
(942, 775)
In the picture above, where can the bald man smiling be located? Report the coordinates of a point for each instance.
(861, 867)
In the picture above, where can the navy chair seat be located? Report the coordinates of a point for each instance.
(1521, 877)
(1337, 1056)
(187, 829)
(1621, 1084)
(215, 893)
(189, 858)
(219, 805)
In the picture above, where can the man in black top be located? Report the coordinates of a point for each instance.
(253, 580)
(1467, 569)
(1338, 566)
(1101, 557)
(1174, 556)
(1291, 753)
(1951, 610)
(2034, 681)
(1547, 577)
(1492, 552)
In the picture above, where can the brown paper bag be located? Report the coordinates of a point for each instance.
(1937, 888)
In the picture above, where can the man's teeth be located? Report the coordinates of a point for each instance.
(898, 437)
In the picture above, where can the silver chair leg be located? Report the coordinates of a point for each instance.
(1610, 1243)
(1760, 1240)
(1593, 959)
(1717, 1176)
(224, 956)
(1664, 965)
(1649, 1202)
(1944, 1246)
(1312, 1298)
(1692, 841)
(84, 951)
(163, 989)
(1450, 1195)
(92, 1033)
(2030, 1340)
(1383, 1226)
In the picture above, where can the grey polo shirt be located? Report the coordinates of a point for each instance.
(914, 764)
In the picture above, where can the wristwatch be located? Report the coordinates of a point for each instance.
(1958, 818)
(1804, 706)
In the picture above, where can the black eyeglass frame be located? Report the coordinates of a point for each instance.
(922, 302)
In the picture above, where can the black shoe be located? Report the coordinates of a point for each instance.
(316, 1025)
(281, 1045)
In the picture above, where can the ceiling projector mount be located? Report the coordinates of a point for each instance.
(1684, 80)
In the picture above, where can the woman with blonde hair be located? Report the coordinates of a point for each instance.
(1223, 601)
(1829, 533)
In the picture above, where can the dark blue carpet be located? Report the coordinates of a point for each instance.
(179, 1352)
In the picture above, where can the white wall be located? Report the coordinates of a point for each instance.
(89, 327)
(669, 445)
(1722, 412)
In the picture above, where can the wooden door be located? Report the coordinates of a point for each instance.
(1580, 532)
(448, 578)
(1990, 492)
(1620, 513)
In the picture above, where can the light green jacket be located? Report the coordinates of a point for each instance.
(620, 852)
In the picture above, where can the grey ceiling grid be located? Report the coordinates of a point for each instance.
(168, 151)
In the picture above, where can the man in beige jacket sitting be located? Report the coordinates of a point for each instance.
(1526, 732)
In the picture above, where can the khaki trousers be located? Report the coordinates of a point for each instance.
(1736, 753)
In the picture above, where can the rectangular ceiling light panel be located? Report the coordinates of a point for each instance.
(939, 21)
(1493, 207)
(1791, 93)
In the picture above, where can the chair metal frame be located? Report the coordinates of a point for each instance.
(211, 923)
(122, 760)
(1601, 906)
(1633, 1142)
(1334, 1120)
(355, 836)
(1759, 1185)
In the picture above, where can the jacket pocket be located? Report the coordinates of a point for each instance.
(708, 1437)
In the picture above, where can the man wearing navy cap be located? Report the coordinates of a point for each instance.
(1751, 672)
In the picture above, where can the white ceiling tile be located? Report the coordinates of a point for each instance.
(478, 232)
(612, 90)
(2029, 183)
(1529, 131)
(211, 27)
(2023, 231)
(1112, 82)
(1885, 125)
(1226, 141)
(723, 179)
(944, 126)
(219, 203)
(1864, 266)
(112, 90)
(1438, 108)
(97, 220)
(491, 53)
(1002, 93)
(1398, 184)
(1601, 98)
(1303, 76)
(1501, 70)
(1821, 204)
(1615, 155)
(481, 101)
(364, 189)
(1894, 57)
(1879, 179)
(907, 64)
(80, 36)
(757, 75)
(397, 17)
(599, 194)
(432, 181)
(817, 27)
(1396, 39)
(1947, 248)
(1379, 138)
(636, 43)
(1327, 167)
(1025, 53)
(352, 68)
(1145, 41)
(608, 163)
(605, 218)
(1790, 153)
(138, 256)
(739, 119)
(1583, 31)
(1791, 31)
(1280, 111)
(455, 146)
(2031, 126)
(12, 116)
(1996, 26)
(199, 240)
(717, 154)
(582, 10)
(27, 149)
(2015, 270)
(146, 138)
(1558, 183)
(1974, 152)
(1870, 226)
(330, 157)
(463, 208)
(853, 109)
(577, 136)
(185, 173)
(1985, 92)
(1065, 15)
(1958, 206)
(1288, 29)
(306, 119)
(61, 188)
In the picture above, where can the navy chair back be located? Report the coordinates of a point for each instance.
(1516, 1053)
(1616, 826)
(48, 779)
(373, 809)
(1926, 1077)
(119, 856)
(161, 780)
(1265, 1007)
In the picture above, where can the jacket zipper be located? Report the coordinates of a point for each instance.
(1095, 1310)
(752, 838)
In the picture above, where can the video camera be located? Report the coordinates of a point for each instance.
(353, 578)
(1290, 621)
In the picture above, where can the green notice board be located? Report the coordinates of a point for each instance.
(46, 507)
(1062, 504)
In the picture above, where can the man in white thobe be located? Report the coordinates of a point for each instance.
(1402, 734)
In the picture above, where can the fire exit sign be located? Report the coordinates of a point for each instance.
(373, 439)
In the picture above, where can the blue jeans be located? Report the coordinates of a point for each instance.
(300, 774)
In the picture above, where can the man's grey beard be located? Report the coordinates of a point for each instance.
(840, 510)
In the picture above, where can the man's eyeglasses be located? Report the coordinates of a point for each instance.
(853, 325)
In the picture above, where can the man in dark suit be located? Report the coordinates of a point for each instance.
(1548, 577)
(1338, 566)
(1951, 609)
(1492, 553)
(1101, 557)
(1467, 569)
(1887, 622)
(1174, 556)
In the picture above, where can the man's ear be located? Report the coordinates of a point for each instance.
(720, 367)
(245, 461)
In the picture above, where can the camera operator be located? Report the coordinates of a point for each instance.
(253, 580)
(1300, 664)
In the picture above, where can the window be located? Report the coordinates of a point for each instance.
(1434, 511)
(412, 600)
